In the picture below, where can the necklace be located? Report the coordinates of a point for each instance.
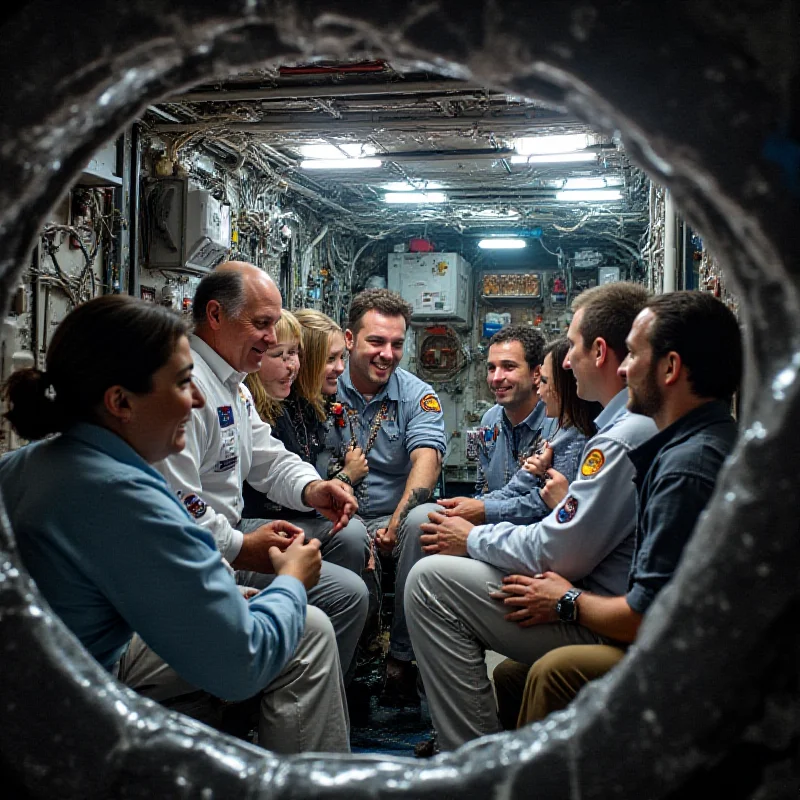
(374, 428)
(298, 423)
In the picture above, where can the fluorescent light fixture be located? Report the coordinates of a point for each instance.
(497, 213)
(592, 183)
(584, 195)
(501, 244)
(415, 197)
(341, 163)
(548, 145)
(554, 158)
(332, 151)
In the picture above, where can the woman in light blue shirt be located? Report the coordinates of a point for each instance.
(114, 551)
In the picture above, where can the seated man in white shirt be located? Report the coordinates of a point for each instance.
(235, 311)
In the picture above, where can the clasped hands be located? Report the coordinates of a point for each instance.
(531, 600)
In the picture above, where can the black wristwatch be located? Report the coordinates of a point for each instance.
(566, 607)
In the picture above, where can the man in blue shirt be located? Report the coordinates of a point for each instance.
(510, 431)
(397, 421)
(683, 366)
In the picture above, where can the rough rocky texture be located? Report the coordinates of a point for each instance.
(706, 97)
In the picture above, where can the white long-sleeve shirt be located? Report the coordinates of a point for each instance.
(226, 444)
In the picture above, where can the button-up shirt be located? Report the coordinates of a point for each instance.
(226, 444)
(114, 551)
(413, 419)
(589, 536)
(676, 472)
(503, 447)
(519, 500)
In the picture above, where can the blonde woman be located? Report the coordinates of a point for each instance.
(288, 394)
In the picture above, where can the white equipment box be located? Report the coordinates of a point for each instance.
(437, 285)
(189, 230)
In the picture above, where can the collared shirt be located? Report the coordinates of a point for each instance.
(413, 419)
(226, 444)
(589, 537)
(503, 446)
(519, 500)
(114, 551)
(676, 472)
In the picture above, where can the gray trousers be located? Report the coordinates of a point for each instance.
(341, 593)
(303, 709)
(407, 552)
(453, 621)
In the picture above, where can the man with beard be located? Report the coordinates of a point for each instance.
(396, 420)
(682, 368)
(589, 536)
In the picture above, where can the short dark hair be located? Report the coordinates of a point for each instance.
(226, 287)
(114, 339)
(531, 339)
(384, 301)
(608, 313)
(578, 412)
(704, 332)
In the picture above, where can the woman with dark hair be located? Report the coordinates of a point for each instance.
(291, 393)
(114, 551)
(562, 454)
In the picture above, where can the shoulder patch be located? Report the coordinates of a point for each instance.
(225, 414)
(593, 463)
(568, 510)
(194, 505)
(430, 403)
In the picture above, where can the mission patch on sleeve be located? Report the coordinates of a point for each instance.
(593, 463)
(430, 403)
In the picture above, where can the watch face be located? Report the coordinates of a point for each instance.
(566, 608)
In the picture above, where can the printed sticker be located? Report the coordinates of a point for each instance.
(225, 414)
(593, 463)
(568, 510)
(430, 403)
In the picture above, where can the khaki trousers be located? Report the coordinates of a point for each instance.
(529, 694)
(303, 709)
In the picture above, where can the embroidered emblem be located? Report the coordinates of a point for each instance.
(225, 414)
(593, 463)
(568, 510)
(194, 505)
(430, 403)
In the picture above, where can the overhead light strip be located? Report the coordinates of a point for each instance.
(588, 195)
(501, 244)
(415, 197)
(555, 158)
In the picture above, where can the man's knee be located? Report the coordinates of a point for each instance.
(342, 588)
(417, 516)
(426, 580)
(318, 630)
(354, 538)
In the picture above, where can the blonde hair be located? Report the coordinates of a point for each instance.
(317, 330)
(287, 329)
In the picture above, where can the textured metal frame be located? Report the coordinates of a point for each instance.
(705, 95)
